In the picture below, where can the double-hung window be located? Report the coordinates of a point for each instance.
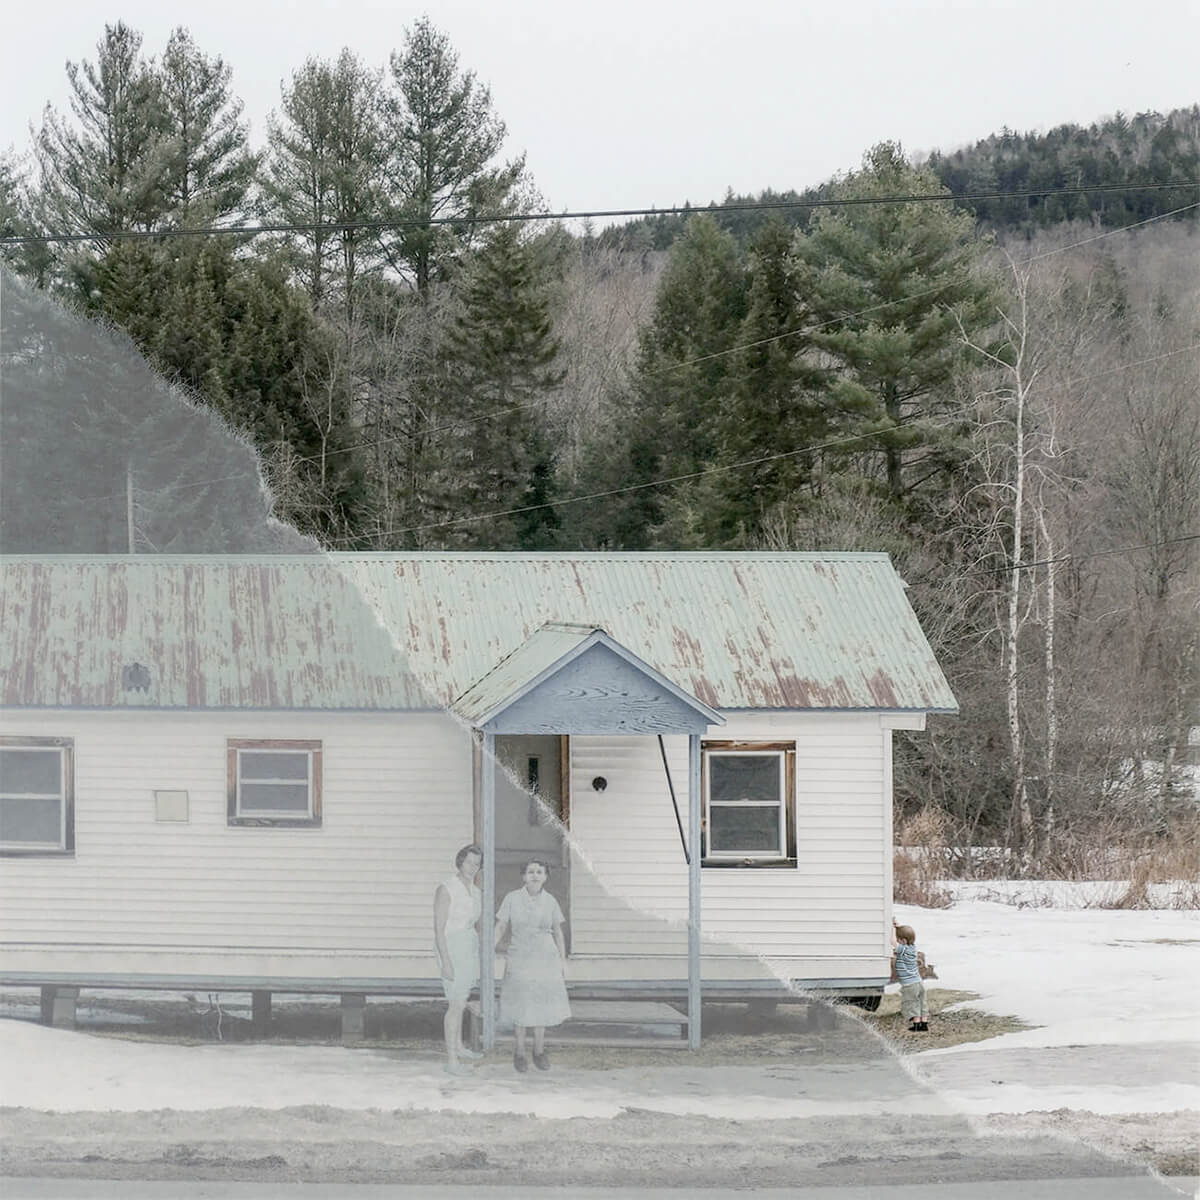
(37, 795)
(274, 782)
(749, 803)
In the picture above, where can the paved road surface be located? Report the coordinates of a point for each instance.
(1121, 1188)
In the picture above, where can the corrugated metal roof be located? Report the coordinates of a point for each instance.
(174, 632)
(734, 630)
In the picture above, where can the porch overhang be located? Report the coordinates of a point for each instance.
(577, 679)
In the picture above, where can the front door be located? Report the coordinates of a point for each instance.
(529, 812)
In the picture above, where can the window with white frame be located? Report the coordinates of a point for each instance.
(37, 796)
(749, 802)
(274, 782)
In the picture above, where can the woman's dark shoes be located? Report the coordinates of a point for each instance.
(541, 1061)
(519, 1063)
(922, 1026)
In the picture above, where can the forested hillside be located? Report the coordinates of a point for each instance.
(1003, 395)
(1133, 158)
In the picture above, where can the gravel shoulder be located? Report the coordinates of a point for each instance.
(637, 1148)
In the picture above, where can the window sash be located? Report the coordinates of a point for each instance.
(62, 797)
(252, 784)
(779, 803)
(260, 795)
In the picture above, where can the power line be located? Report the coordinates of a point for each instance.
(500, 412)
(380, 226)
(1061, 558)
(802, 329)
(1099, 237)
(789, 333)
(749, 462)
(466, 423)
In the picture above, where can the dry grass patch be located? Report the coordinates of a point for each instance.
(955, 1028)
(734, 1034)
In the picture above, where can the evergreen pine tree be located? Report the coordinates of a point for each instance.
(887, 285)
(210, 167)
(666, 423)
(236, 335)
(446, 139)
(772, 404)
(107, 170)
(90, 435)
(33, 261)
(500, 363)
(326, 163)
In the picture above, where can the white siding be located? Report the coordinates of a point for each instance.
(397, 803)
(353, 897)
(829, 912)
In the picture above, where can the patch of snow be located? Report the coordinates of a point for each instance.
(1084, 976)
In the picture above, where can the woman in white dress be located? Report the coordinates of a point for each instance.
(457, 906)
(534, 993)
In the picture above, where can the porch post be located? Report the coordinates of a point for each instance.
(694, 891)
(487, 922)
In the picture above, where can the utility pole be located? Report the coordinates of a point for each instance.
(130, 534)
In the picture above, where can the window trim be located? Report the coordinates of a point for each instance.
(234, 815)
(787, 750)
(66, 846)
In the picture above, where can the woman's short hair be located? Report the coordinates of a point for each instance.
(541, 862)
(461, 856)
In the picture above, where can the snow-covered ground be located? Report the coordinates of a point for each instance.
(1107, 979)
(1084, 976)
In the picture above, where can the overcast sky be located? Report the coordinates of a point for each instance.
(632, 104)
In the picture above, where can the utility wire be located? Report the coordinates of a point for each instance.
(39, 239)
(749, 462)
(179, 487)
(720, 468)
(675, 366)
(777, 337)
(1049, 562)
(632, 487)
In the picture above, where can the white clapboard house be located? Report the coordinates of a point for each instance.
(250, 773)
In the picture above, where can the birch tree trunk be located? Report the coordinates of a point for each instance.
(1051, 702)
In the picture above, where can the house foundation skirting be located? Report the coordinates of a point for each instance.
(60, 993)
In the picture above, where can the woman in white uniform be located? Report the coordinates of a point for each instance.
(534, 993)
(457, 906)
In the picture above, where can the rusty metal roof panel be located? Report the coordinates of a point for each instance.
(735, 630)
(155, 631)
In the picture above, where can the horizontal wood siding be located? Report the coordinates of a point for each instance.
(397, 804)
(831, 906)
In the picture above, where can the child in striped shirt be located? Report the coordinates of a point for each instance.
(905, 962)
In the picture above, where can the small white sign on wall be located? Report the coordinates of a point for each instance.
(170, 806)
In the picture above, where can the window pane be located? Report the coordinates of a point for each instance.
(275, 797)
(30, 770)
(259, 764)
(749, 829)
(744, 777)
(33, 821)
